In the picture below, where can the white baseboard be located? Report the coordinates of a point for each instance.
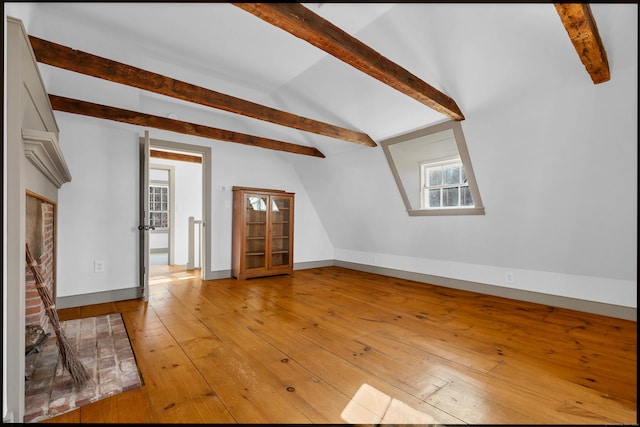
(98, 297)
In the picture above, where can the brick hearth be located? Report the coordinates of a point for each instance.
(103, 346)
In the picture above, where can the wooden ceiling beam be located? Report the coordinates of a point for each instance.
(306, 25)
(85, 108)
(169, 155)
(583, 32)
(67, 58)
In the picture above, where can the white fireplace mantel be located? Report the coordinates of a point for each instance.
(42, 149)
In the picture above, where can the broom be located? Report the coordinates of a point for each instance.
(70, 360)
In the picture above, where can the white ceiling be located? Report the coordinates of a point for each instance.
(478, 54)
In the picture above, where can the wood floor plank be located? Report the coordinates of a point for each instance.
(530, 341)
(357, 347)
(342, 373)
(175, 386)
(250, 316)
(397, 325)
(297, 387)
(187, 328)
(572, 395)
(132, 406)
(316, 399)
(405, 376)
(247, 395)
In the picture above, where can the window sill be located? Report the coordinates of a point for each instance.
(444, 212)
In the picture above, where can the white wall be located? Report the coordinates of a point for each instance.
(557, 171)
(98, 210)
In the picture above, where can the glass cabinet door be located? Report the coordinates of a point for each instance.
(256, 231)
(280, 217)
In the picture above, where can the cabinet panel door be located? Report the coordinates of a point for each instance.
(281, 217)
(255, 231)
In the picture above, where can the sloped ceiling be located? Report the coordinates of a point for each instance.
(224, 48)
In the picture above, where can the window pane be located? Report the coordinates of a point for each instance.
(464, 175)
(159, 206)
(434, 198)
(465, 197)
(450, 197)
(452, 174)
(435, 177)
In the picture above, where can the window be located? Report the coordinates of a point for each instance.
(432, 169)
(159, 206)
(444, 185)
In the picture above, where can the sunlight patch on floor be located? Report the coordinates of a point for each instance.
(166, 277)
(371, 406)
(159, 279)
(184, 275)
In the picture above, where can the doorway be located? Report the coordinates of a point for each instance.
(179, 197)
(162, 212)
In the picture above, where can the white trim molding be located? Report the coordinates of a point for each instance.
(43, 150)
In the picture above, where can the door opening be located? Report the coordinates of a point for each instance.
(162, 213)
(179, 195)
(175, 196)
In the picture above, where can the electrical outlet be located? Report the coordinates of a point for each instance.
(98, 266)
(509, 277)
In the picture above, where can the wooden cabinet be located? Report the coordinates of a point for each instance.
(262, 232)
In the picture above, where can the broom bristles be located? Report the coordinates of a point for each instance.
(71, 362)
(70, 359)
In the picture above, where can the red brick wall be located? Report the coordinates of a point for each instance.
(34, 310)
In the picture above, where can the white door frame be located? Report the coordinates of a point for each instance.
(205, 152)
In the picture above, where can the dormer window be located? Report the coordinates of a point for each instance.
(433, 171)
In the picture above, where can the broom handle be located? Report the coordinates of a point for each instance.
(47, 301)
(33, 264)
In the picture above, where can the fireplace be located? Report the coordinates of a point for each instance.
(34, 169)
(40, 236)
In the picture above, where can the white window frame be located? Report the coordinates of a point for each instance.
(425, 185)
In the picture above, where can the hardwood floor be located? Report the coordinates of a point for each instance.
(332, 345)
